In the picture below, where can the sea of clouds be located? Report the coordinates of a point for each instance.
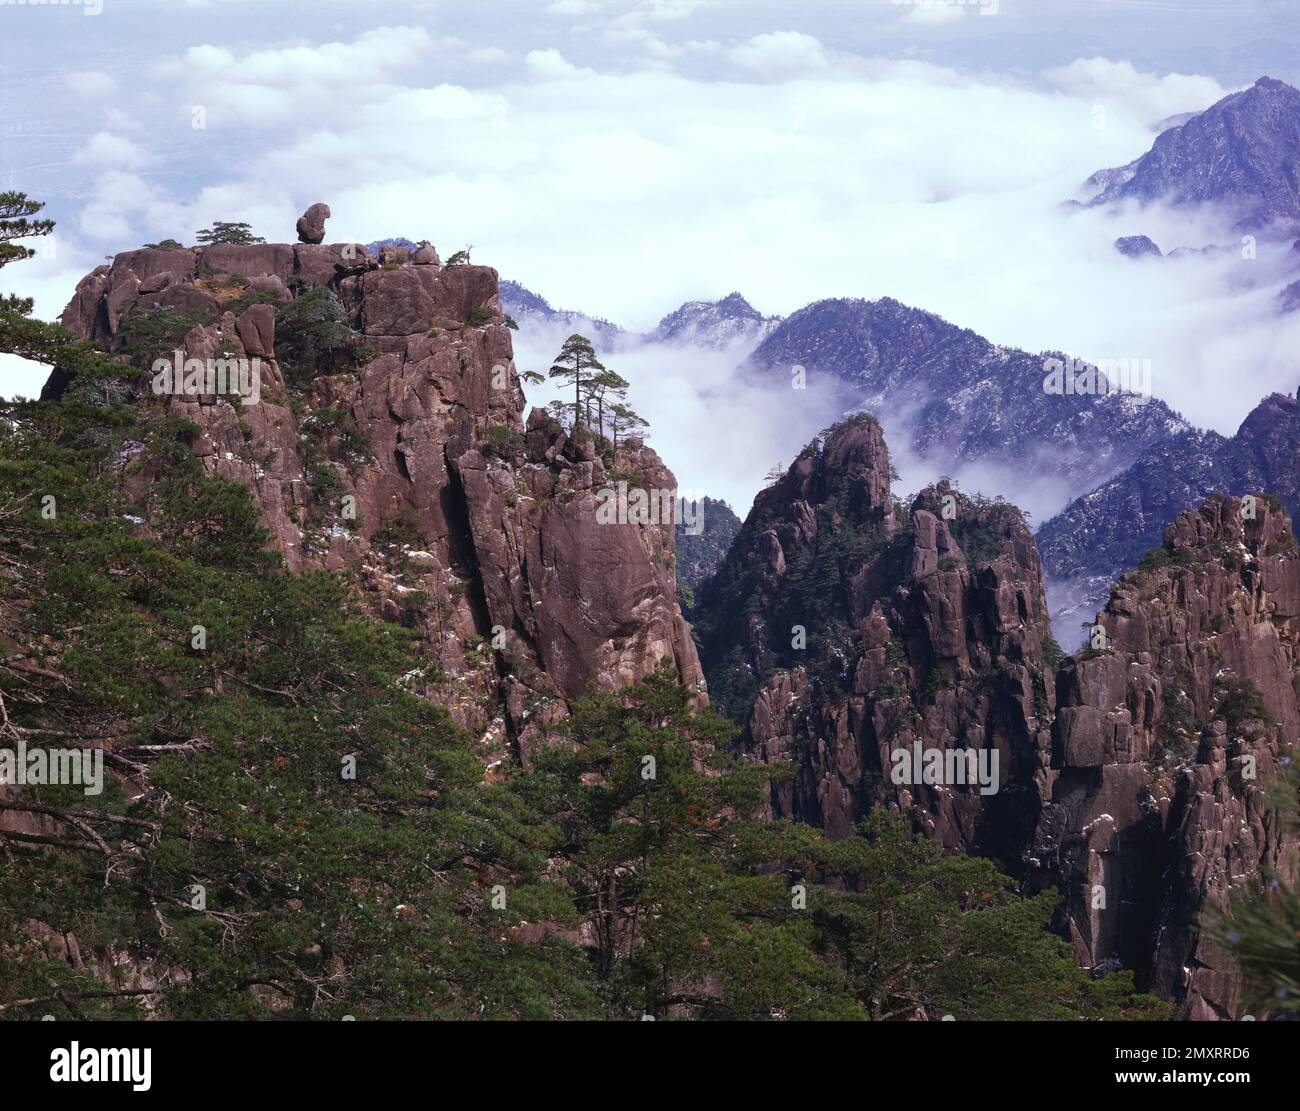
(773, 164)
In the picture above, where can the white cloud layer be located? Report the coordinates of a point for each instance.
(781, 54)
(789, 172)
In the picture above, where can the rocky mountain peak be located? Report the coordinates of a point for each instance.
(1133, 776)
(843, 628)
(713, 324)
(1240, 152)
(1097, 536)
(735, 305)
(849, 468)
(387, 441)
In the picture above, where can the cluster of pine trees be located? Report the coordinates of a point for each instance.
(599, 394)
(288, 831)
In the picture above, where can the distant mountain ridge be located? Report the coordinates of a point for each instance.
(1109, 528)
(714, 324)
(1243, 151)
(525, 306)
(962, 398)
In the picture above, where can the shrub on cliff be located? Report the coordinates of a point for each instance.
(503, 442)
(148, 334)
(314, 336)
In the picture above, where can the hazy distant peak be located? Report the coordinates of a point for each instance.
(1243, 152)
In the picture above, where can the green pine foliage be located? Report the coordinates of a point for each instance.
(313, 336)
(698, 909)
(920, 933)
(228, 231)
(288, 830)
(1260, 927)
(324, 895)
(148, 334)
(15, 208)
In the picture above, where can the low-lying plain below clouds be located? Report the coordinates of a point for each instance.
(685, 174)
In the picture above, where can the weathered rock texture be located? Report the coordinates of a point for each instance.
(1125, 777)
(1094, 539)
(311, 224)
(413, 473)
(1163, 745)
(923, 624)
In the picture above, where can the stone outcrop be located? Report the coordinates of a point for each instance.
(1101, 534)
(311, 224)
(411, 471)
(1165, 739)
(1137, 246)
(1134, 777)
(923, 625)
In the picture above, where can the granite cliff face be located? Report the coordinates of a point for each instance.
(1164, 740)
(411, 468)
(920, 625)
(1132, 776)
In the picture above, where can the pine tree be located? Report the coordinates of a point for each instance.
(577, 364)
(608, 388)
(15, 208)
(238, 846)
(314, 335)
(698, 910)
(222, 231)
(559, 412)
(624, 420)
(667, 879)
(49, 344)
